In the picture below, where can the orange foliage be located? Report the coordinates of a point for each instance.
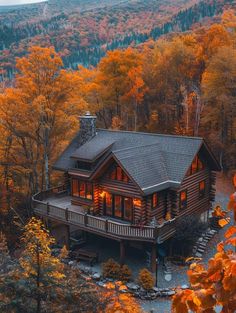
(212, 286)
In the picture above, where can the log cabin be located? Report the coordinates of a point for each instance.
(130, 186)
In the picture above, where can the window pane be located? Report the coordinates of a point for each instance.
(75, 188)
(125, 178)
(82, 189)
(119, 173)
(202, 188)
(108, 200)
(113, 174)
(194, 166)
(89, 192)
(183, 199)
(154, 200)
(128, 207)
(200, 165)
(118, 206)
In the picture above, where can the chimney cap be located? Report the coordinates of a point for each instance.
(88, 115)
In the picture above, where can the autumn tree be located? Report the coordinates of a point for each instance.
(38, 116)
(119, 83)
(219, 115)
(4, 253)
(213, 286)
(42, 282)
(171, 74)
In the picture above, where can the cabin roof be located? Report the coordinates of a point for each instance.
(154, 161)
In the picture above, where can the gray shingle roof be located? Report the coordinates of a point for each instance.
(154, 161)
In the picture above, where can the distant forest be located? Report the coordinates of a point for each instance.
(83, 37)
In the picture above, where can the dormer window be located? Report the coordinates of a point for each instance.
(87, 166)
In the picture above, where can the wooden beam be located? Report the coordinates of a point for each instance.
(122, 252)
(153, 258)
(67, 237)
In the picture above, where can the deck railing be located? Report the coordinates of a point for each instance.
(99, 224)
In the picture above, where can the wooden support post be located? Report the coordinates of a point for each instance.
(122, 252)
(153, 258)
(67, 237)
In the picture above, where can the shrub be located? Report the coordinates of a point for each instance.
(125, 273)
(146, 279)
(111, 269)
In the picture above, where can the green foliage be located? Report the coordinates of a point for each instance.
(146, 279)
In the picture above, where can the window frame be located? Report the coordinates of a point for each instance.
(122, 207)
(199, 166)
(119, 177)
(79, 182)
(183, 206)
(157, 200)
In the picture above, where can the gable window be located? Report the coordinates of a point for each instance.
(155, 201)
(196, 166)
(118, 174)
(183, 200)
(82, 189)
(202, 189)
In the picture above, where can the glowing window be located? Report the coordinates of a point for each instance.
(183, 199)
(202, 189)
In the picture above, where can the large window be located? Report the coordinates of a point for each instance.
(183, 199)
(202, 189)
(108, 204)
(196, 166)
(117, 173)
(118, 206)
(82, 189)
(128, 208)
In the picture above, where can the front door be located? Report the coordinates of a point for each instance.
(118, 207)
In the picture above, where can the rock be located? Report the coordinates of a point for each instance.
(170, 293)
(110, 280)
(155, 289)
(198, 255)
(86, 269)
(96, 276)
(71, 263)
(101, 284)
(132, 286)
(184, 287)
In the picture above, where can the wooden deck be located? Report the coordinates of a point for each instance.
(57, 206)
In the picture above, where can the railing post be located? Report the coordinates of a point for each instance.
(48, 208)
(66, 214)
(155, 233)
(106, 225)
(86, 219)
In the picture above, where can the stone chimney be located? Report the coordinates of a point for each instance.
(87, 127)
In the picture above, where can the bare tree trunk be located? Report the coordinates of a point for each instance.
(46, 158)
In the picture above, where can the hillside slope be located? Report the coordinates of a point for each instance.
(82, 31)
